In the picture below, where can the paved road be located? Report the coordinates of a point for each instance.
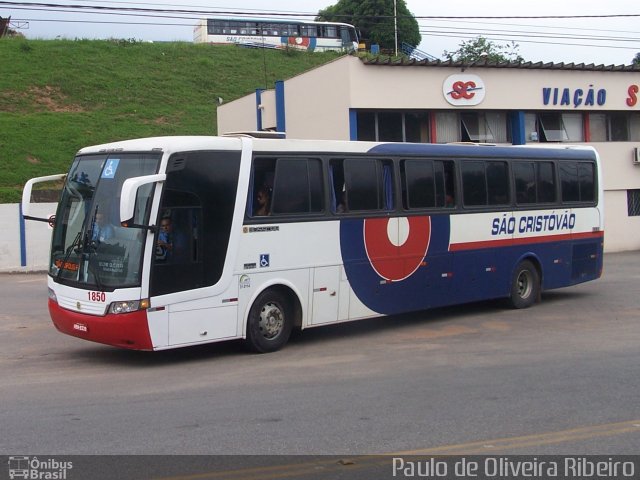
(559, 378)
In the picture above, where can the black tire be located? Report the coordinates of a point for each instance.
(270, 322)
(525, 285)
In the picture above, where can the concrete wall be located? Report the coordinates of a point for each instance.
(237, 116)
(316, 102)
(24, 246)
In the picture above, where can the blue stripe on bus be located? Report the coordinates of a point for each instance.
(452, 277)
(482, 151)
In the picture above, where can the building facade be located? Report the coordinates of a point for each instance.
(483, 102)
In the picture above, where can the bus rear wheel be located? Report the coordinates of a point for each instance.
(270, 322)
(525, 285)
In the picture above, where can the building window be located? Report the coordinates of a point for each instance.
(416, 127)
(560, 127)
(367, 126)
(634, 127)
(554, 127)
(390, 127)
(633, 203)
(393, 126)
(480, 127)
(598, 130)
(447, 127)
(614, 127)
(619, 127)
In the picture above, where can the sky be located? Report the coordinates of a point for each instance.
(602, 40)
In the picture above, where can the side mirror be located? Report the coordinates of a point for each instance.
(128, 197)
(26, 195)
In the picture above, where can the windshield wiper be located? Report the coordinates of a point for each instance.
(91, 248)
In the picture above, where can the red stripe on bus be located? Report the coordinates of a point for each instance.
(509, 242)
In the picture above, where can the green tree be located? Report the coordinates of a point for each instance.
(483, 49)
(375, 20)
(636, 60)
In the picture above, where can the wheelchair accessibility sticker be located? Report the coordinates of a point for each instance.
(110, 168)
(264, 260)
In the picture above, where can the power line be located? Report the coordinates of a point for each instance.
(522, 33)
(506, 39)
(214, 12)
(523, 36)
(563, 27)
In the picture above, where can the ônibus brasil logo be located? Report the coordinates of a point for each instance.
(37, 469)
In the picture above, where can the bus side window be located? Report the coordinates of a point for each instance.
(420, 184)
(298, 186)
(497, 183)
(369, 184)
(261, 192)
(485, 183)
(525, 182)
(445, 183)
(546, 182)
(474, 186)
(586, 178)
(569, 182)
(339, 201)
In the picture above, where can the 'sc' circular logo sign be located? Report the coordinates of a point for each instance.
(463, 90)
(396, 247)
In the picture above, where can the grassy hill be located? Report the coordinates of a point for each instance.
(57, 96)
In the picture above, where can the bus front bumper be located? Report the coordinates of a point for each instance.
(127, 330)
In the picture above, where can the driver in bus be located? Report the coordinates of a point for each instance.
(164, 246)
(101, 230)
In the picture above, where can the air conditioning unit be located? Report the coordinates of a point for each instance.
(636, 156)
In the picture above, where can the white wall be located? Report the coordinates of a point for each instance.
(37, 238)
(316, 102)
(237, 116)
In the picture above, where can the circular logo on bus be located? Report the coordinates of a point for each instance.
(307, 43)
(396, 247)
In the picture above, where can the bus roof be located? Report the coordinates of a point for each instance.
(277, 20)
(170, 144)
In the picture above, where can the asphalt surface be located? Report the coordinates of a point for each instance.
(562, 377)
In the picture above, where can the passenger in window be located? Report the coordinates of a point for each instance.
(449, 201)
(263, 199)
(341, 206)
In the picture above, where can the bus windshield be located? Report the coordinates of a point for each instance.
(89, 247)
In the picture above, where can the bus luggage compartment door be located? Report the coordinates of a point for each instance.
(326, 295)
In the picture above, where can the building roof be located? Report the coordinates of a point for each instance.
(484, 63)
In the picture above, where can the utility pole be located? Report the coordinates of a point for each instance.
(395, 23)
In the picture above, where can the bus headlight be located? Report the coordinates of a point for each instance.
(128, 306)
(52, 295)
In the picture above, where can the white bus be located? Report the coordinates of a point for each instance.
(277, 33)
(175, 241)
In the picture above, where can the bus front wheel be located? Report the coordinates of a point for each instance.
(270, 322)
(525, 285)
